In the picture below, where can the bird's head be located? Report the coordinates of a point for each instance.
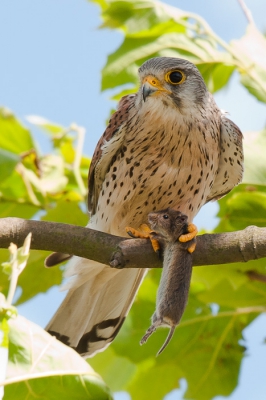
(173, 81)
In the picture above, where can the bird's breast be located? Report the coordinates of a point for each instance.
(159, 165)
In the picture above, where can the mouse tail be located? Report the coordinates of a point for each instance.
(169, 337)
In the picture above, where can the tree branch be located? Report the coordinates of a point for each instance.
(223, 248)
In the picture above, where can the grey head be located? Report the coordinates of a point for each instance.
(170, 224)
(178, 82)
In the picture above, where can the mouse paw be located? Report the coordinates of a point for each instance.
(148, 333)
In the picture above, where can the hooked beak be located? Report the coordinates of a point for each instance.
(147, 90)
(152, 85)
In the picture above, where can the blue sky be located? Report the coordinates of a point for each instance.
(52, 55)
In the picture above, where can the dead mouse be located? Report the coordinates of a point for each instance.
(173, 289)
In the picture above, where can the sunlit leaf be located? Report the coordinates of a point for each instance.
(43, 123)
(243, 207)
(122, 14)
(36, 278)
(67, 150)
(53, 177)
(251, 51)
(66, 212)
(10, 130)
(4, 330)
(205, 348)
(255, 166)
(156, 29)
(8, 161)
(123, 64)
(39, 366)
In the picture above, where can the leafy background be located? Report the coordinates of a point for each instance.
(209, 346)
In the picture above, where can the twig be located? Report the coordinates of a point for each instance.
(18, 261)
(246, 11)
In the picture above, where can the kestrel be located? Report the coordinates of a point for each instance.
(168, 145)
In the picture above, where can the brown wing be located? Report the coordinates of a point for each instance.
(99, 164)
(96, 179)
(230, 170)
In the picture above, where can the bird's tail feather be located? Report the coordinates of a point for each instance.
(96, 305)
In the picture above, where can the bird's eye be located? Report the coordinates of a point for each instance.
(165, 216)
(175, 77)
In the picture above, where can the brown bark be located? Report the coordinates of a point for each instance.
(223, 248)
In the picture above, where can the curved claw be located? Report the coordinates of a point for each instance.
(144, 233)
(192, 233)
(192, 247)
(137, 234)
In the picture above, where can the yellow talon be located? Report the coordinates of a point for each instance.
(155, 245)
(144, 233)
(192, 232)
(137, 234)
(191, 248)
(145, 228)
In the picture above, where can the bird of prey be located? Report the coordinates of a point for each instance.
(168, 145)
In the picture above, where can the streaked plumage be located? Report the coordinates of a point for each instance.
(168, 145)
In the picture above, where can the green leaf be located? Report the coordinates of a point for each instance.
(254, 152)
(66, 212)
(236, 275)
(216, 75)
(41, 366)
(53, 176)
(156, 29)
(249, 294)
(108, 362)
(6, 312)
(255, 82)
(13, 193)
(122, 14)
(16, 209)
(47, 277)
(18, 257)
(101, 3)
(250, 50)
(123, 64)
(244, 206)
(205, 348)
(63, 211)
(14, 137)
(12, 209)
(8, 162)
(4, 330)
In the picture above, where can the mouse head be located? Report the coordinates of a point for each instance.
(169, 223)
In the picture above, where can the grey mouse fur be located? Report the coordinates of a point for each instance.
(173, 290)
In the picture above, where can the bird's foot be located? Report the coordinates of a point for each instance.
(192, 233)
(144, 232)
